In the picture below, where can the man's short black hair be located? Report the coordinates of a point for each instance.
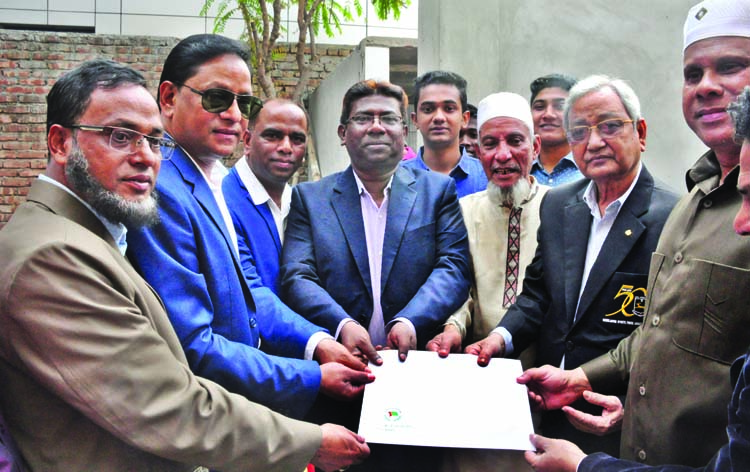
(71, 94)
(368, 88)
(740, 112)
(194, 51)
(562, 81)
(472, 110)
(441, 77)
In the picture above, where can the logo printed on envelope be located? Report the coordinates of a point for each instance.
(392, 414)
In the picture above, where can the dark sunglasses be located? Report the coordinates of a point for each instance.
(217, 100)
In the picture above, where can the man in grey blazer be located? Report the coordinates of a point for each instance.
(93, 376)
(586, 287)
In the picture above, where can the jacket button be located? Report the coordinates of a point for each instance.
(642, 455)
(569, 346)
(655, 321)
(678, 257)
(642, 390)
(707, 203)
(253, 322)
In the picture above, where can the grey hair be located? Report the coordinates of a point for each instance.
(594, 83)
(740, 112)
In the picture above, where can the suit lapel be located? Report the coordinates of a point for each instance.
(400, 204)
(62, 203)
(267, 216)
(346, 204)
(625, 232)
(263, 210)
(576, 228)
(202, 193)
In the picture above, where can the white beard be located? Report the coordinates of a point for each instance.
(511, 197)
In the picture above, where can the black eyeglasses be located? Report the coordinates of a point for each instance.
(388, 120)
(126, 141)
(217, 100)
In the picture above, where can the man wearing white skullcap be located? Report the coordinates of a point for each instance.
(502, 222)
(585, 289)
(696, 321)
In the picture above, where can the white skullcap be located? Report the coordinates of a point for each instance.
(712, 18)
(505, 104)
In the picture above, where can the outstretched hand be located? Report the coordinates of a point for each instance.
(357, 340)
(401, 337)
(609, 421)
(340, 448)
(446, 342)
(553, 455)
(329, 350)
(551, 388)
(489, 347)
(342, 383)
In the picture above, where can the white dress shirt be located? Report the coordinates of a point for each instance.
(259, 195)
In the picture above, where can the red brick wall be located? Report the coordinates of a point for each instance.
(30, 62)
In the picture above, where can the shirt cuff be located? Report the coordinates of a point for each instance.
(507, 338)
(341, 326)
(578, 467)
(403, 320)
(313, 342)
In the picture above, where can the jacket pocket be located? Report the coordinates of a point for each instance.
(721, 334)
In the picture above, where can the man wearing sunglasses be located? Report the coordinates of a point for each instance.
(233, 330)
(585, 290)
(93, 375)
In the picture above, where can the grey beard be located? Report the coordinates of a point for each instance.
(107, 203)
(510, 197)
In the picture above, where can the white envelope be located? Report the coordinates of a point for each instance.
(452, 402)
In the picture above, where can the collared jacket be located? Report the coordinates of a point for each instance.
(676, 364)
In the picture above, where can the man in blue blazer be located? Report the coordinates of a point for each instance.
(257, 191)
(585, 290)
(326, 272)
(233, 330)
(378, 253)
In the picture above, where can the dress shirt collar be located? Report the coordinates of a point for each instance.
(213, 180)
(566, 161)
(117, 230)
(463, 165)
(589, 196)
(361, 190)
(258, 193)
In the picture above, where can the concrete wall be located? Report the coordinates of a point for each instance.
(365, 62)
(504, 44)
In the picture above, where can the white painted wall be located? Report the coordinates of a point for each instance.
(505, 44)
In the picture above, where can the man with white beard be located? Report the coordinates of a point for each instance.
(585, 290)
(501, 222)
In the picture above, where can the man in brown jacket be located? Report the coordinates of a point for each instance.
(93, 376)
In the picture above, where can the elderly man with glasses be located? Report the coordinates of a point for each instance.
(586, 287)
(234, 331)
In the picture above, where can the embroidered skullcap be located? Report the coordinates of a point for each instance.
(712, 18)
(505, 104)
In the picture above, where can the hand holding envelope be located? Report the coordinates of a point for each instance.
(446, 402)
